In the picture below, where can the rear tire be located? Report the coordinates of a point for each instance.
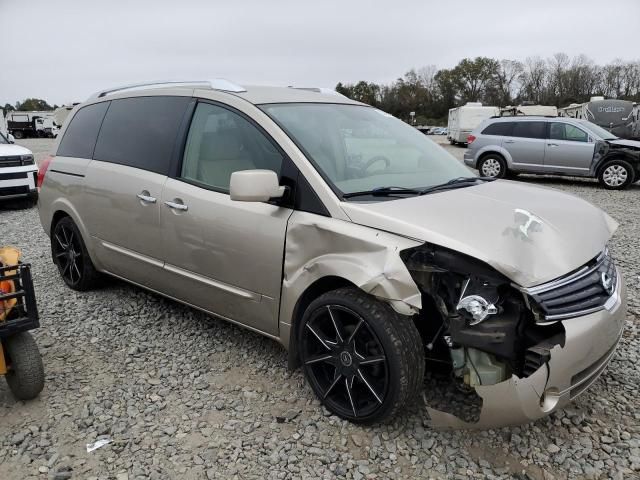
(493, 166)
(71, 256)
(616, 175)
(363, 360)
(26, 372)
(18, 135)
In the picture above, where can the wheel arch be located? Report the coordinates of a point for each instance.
(313, 291)
(630, 159)
(62, 209)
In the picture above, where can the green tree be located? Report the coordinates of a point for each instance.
(474, 77)
(33, 104)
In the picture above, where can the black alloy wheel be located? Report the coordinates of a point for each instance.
(71, 257)
(360, 357)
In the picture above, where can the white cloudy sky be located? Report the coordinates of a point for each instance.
(64, 50)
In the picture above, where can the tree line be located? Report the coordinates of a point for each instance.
(559, 80)
(29, 105)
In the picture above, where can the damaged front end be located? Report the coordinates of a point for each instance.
(499, 353)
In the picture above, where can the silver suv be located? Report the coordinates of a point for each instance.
(553, 145)
(344, 234)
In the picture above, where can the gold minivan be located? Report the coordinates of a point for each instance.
(365, 249)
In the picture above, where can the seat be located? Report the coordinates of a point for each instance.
(221, 154)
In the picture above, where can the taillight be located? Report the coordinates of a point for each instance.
(44, 166)
(470, 139)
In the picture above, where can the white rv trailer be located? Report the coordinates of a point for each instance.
(542, 110)
(3, 123)
(61, 114)
(462, 120)
(620, 117)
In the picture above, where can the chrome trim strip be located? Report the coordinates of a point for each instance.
(231, 320)
(132, 254)
(213, 283)
(561, 282)
(611, 302)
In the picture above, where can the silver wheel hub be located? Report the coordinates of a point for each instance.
(491, 167)
(345, 359)
(614, 175)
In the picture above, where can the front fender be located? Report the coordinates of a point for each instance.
(318, 247)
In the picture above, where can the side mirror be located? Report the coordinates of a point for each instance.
(255, 186)
(11, 138)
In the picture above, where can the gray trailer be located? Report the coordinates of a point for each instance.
(620, 117)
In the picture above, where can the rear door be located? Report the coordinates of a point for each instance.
(568, 150)
(124, 184)
(224, 256)
(526, 145)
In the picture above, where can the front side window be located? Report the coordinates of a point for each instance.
(221, 142)
(565, 131)
(529, 129)
(358, 148)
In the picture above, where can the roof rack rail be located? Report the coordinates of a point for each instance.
(325, 90)
(215, 84)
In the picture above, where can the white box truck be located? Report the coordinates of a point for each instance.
(462, 120)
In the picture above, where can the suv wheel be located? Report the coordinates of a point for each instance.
(616, 175)
(71, 257)
(493, 166)
(363, 360)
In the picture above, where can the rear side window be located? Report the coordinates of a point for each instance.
(498, 128)
(141, 132)
(80, 136)
(529, 129)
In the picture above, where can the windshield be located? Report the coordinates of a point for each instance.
(358, 148)
(599, 131)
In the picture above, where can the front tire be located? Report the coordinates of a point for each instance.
(71, 256)
(364, 361)
(616, 175)
(26, 372)
(493, 166)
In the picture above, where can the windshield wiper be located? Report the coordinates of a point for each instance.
(456, 183)
(388, 191)
(384, 192)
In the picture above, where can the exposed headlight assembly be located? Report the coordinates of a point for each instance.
(26, 159)
(476, 301)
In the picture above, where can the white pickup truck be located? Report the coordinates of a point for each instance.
(18, 172)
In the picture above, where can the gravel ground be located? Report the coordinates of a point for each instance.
(186, 396)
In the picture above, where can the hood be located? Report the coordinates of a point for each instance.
(530, 234)
(633, 144)
(9, 150)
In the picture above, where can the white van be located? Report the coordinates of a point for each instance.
(462, 120)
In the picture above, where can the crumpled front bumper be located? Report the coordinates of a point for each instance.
(590, 342)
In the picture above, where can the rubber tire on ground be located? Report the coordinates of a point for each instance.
(90, 277)
(400, 340)
(503, 165)
(18, 135)
(630, 174)
(26, 372)
(30, 201)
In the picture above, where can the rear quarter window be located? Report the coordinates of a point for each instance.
(141, 132)
(80, 136)
(498, 128)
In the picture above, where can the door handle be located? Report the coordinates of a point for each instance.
(509, 141)
(552, 144)
(177, 206)
(145, 197)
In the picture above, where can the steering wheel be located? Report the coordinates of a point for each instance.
(376, 159)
